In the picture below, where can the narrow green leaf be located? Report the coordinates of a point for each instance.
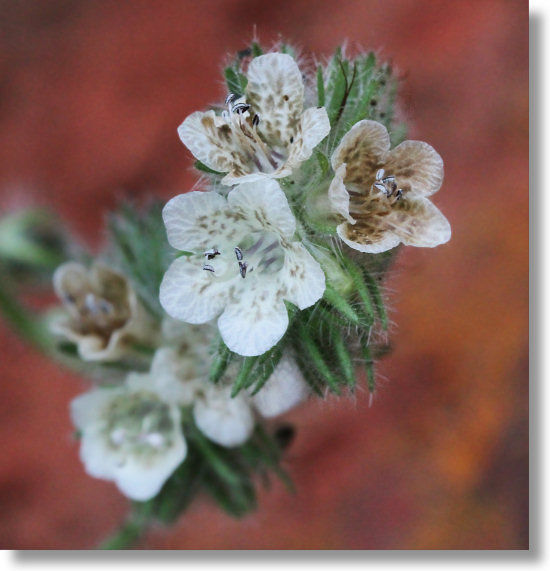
(369, 367)
(313, 352)
(320, 87)
(214, 457)
(377, 298)
(344, 358)
(266, 366)
(340, 304)
(358, 279)
(220, 362)
(244, 376)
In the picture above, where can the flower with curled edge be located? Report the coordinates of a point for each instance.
(265, 133)
(131, 434)
(104, 315)
(244, 264)
(382, 195)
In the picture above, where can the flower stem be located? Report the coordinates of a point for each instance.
(130, 532)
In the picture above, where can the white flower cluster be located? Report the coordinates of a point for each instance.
(131, 432)
(247, 257)
(246, 254)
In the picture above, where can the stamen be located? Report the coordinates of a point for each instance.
(208, 268)
(256, 120)
(380, 174)
(242, 269)
(239, 254)
(240, 108)
(230, 98)
(211, 254)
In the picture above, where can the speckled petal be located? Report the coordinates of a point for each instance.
(339, 196)
(265, 206)
(212, 140)
(418, 222)
(275, 90)
(301, 276)
(198, 221)
(417, 168)
(314, 127)
(255, 321)
(370, 241)
(363, 149)
(189, 293)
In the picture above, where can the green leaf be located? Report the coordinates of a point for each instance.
(359, 281)
(220, 362)
(344, 358)
(309, 348)
(377, 298)
(320, 87)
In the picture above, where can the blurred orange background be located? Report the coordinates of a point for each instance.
(91, 94)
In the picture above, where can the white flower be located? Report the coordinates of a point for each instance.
(131, 435)
(382, 194)
(104, 315)
(266, 133)
(229, 421)
(285, 389)
(244, 264)
(226, 420)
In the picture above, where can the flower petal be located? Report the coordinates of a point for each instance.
(339, 196)
(285, 389)
(265, 206)
(191, 294)
(275, 90)
(70, 281)
(418, 222)
(212, 140)
(141, 478)
(302, 276)
(363, 149)
(417, 167)
(225, 420)
(88, 407)
(314, 127)
(372, 232)
(254, 322)
(196, 221)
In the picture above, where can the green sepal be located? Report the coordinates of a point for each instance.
(310, 349)
(199, 165)
(377, 298)
(244, 378)
(369, 367)
(357, 276)
(320, 87)
(236, 81)
(222, 357)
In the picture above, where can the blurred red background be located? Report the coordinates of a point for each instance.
(91, 94)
